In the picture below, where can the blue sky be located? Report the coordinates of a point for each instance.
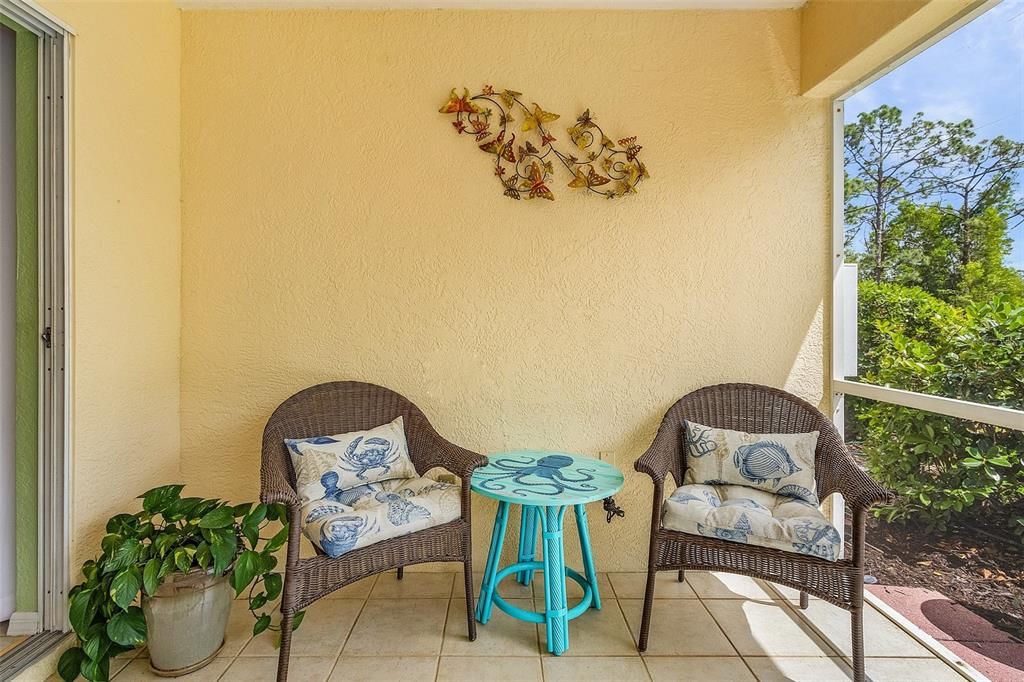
(976, 73)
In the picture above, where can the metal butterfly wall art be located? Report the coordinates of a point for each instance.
(598, 164)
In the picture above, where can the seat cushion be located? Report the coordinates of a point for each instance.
(741, 514)
(780, 463)
(360, 516)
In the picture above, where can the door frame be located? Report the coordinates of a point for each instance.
(54, 222)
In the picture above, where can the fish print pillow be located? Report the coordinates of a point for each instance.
(326, 466)
(780, 463)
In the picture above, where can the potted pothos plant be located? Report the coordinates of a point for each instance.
(166, 578)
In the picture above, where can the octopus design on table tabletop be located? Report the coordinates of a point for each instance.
(546, 474)
(764, 461)
(376, 453)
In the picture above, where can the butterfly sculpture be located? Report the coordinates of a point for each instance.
(526, 169)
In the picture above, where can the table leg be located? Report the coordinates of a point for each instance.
(487, 586)
(527, 541)
(588, 557)
(555, 610)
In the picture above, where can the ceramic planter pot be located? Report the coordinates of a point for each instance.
(186, 621)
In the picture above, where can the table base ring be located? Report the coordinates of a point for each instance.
(535, 616)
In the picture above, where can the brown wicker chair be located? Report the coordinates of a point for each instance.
(760, 409)
(341, 407)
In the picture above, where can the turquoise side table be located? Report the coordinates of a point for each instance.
(545, 484)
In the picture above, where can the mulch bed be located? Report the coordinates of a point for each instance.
(982, 572)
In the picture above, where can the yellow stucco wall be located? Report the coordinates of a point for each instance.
(126, 256)
(334, 226)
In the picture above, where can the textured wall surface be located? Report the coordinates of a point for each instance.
(126, 257)
(335, 226)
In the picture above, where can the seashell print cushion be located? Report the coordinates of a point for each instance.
(328, 466)
(742, 514)
(373, 512)
(779, 463)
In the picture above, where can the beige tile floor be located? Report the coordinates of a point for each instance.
(712, 627)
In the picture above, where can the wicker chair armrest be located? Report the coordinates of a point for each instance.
(658, 459)
(840, 473)
(275, 487)
(429, 449)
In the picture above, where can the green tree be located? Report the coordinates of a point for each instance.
(933, 204)
(887, 162)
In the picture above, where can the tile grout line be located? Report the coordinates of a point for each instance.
(341, 650)
(718, 625)
(366, 599)
(444, 628)
(625, 620)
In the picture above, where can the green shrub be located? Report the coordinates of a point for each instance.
(941, 466)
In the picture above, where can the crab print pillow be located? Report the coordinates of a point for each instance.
(780, 463)
(327, 466)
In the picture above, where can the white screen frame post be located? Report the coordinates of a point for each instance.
(841, 386)
(54, 471)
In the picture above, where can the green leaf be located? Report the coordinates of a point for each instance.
(157, 500)
(96, 670)
(298, 620)
(125, 586)
(123, 524)
(223, 545)
(70, 664)
(181, 508)
(110, 543)
(82, 610)
(97, 645)
(262, 623)
(182, 560)
(273, 583)
(90, 571)
(277, 542)
(246, 567)
(166, 566)
(241, 509)
(256, 516)
(151, 576)
(124, 555)
(203, 555)
(251, 531)
(221, 517)
(128, 628)
(258, 601)
(277, 512)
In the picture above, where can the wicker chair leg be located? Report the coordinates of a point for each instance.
(857, 627)
(803, 599)
(467, 572)
(286, 647)
(645, 620)
(682, 575)
(401, 572)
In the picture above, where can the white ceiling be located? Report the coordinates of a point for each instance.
(493, 4)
